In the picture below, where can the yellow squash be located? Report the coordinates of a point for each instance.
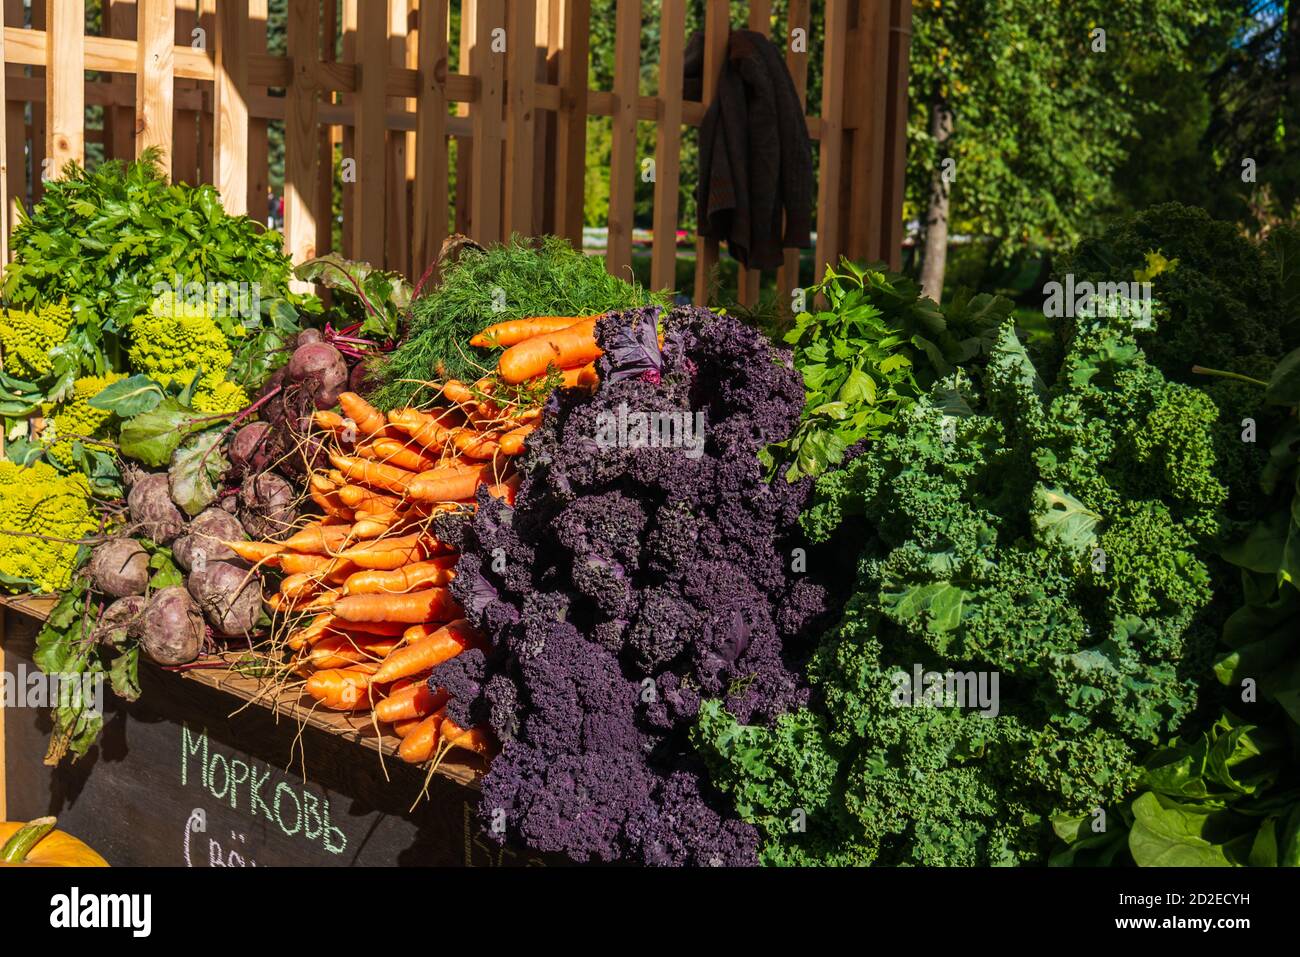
(37, 844)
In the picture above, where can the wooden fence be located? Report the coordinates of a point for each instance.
(194, 78)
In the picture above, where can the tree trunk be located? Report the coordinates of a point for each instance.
(935, 258)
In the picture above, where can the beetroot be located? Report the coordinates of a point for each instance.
(230, 596)
(171, 629)
(201, 542)
(320, 369)
(252, 449)
(267, 505)
(155, 516)
(119, 567)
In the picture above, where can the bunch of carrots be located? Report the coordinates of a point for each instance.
(366, 584)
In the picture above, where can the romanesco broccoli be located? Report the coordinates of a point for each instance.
(26, 338)
(76, 418)
(37, 500)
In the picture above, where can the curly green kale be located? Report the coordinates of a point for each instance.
(1038, 548)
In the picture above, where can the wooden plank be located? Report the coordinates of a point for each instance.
(4, 261)
(259, 147)
(465, 144)
(230, 106)
(571, 119)
(760, 16)
(832, 142)
(668, 145)
(624, 169)
(119, 122)
(36, 137)
(521, 119)
(546, 39)
(65, 83)
(300, 137)
(185, 121)
(760, 21)
(4, 616)
(369, 104)
(431, 160)
(866, 68)
(900, 32)
(397, 249)
(488, 65)
(156, 28)
(717, 27)
(327, 137)
(348, 132)
(203, 54)
(798, 18)
(15, 119)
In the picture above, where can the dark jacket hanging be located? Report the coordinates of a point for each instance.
(755, 154)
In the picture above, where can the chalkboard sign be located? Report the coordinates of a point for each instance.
(179, 780)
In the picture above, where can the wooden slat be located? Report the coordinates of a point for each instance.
(397, 244)
(185, 121)
(623, 165)
(465, 145)
(4, 262)
(119, 122)
(798, 18)
(571, 120)
(668, 145)
(867, 67)
(348, 132)
(521, 119)
(300, 144)
(717, 27)
(489, 67)
(259, 147)
(156, 28)
(327, 136)
(547, 45)
(831, 154)
(36, 136)
(760, 16)
(369, 104)
(4, 786)
(431, 138)
(15, 121)
(230, 105)
(65, 83)
(206, 117)
(900, 31)
(760, 21)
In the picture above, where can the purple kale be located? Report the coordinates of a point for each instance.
(646, 564)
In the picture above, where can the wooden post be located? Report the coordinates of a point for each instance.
(431, 138)
(397, 244)
(349, 133)
(668, 145)
(760, 21)
(326, 137)
(15, 129)
(230, 106)
(369, 105)
(866, 69)
(300, 145)
(40, 115)
(185, 123)
(717, 27)
(891, 227)
(206, 117)
(465, 145)
(259, 149)
(156, 30)
(521, 113)
(489, 66)
(547, 47)
(120, 18)
(65, 83)
(571, 121)
(832, 136)
(4, 262)
(623, 166)
(787, 279)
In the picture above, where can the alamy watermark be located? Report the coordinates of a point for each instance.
(1089, 300)
(33, 688)
(975, 690)
(628, 429)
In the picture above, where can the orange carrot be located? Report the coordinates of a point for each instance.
(428, 652)
(456, 391)
(430, 431)
(329, 421)
(417, 747)
(572, 346)
(387, 629)
(403, 728)
(295, 563)
(448, 483)
(474, 444)
(408, 455)
(266, 552)
(367, 418)
(512, 443)
(342, 689)
(386, 477)
(429, 604)
(437, 571)
(283, 606)
(505, 490)
(514, 331)
(588, 377)
(411, 699)
(391, 553)
(301, 585)
(340, 650)
(318, 539)
(359, 497)
(310, 632)
(478, 740)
